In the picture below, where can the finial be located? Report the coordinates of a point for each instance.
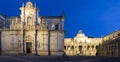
(35, 5)
(63, 16)
(80, 31)
(23, 4)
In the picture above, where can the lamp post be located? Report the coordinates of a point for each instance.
(49, 53)
(23, 31)
(36, 34)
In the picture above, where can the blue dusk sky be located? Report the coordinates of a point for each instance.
(95, 17)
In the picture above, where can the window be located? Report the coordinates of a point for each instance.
(56, 27)
(96, 47)
(72, 47)
(80, 48)
(88, 47)
(118, 34)
(64, 47)
(92, 46)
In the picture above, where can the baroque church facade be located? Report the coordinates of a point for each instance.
(30, 33)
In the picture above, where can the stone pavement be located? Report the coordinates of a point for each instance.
(33, 58)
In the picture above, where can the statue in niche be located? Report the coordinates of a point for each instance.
(29, 21)
(53, 27)
(19, 43)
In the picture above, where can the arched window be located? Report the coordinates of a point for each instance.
(80, 48)
(92, 46)
(72, 47)
(88, 47)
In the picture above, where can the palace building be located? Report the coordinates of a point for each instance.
(30, 33)
(87, 46)
(82, 45)
(111, 45)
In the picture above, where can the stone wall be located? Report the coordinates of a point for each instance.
(10, 43)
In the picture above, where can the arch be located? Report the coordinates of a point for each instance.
(80, 47)
(88, 47)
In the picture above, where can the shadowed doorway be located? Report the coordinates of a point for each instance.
(28, 47)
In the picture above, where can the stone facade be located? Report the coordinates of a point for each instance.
(110, 45)
(81, 45)
(30, 33)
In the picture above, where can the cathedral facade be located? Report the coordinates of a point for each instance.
(30, 33)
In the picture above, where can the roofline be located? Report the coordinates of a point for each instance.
(111, 33)
(51, 16)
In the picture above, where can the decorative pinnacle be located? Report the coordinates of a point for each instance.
(23, 4)
(35, 5)
(80, 31)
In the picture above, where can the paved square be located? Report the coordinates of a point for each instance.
(33, 58)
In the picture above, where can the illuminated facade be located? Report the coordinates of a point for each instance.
(110, 45)
(30, 33)
(81, 45)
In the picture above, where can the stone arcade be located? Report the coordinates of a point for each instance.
(33, 34)
(82, 45)
(108, 45)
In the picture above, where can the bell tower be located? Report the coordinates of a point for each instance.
(29, 14)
